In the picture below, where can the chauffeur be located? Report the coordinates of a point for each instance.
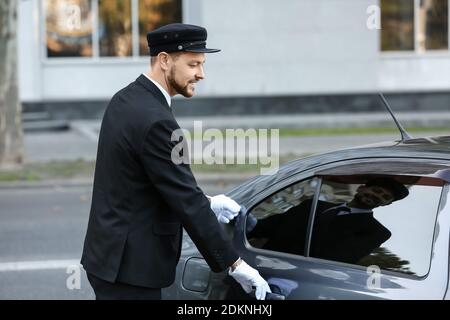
(141, 198)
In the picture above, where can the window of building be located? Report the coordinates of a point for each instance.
(154, 14)
(69, 28)
(397, 25)
(433, 25)
(104, 28)
(414, 25)
(114, 28)
(359, 221)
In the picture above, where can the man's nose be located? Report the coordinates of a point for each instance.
(200, 74)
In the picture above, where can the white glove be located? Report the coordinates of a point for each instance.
(225, 208)
(247, 277)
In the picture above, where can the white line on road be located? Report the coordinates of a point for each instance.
(37, 265)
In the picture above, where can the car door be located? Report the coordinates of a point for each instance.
(276, 235)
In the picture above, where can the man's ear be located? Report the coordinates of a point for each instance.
(164, 60)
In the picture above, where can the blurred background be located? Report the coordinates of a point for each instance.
(310, 68)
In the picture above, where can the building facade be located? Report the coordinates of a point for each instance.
(277, 56)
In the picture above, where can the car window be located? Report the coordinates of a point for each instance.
(387, 221)
(280, 222)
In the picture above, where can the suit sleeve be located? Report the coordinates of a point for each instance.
(178, 188)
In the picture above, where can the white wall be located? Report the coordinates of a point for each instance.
(29, 55)
(414, 73)
(287, 47)
(290, 47)
(88, 81)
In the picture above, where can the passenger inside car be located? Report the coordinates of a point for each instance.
(343, 231)
(348, 232)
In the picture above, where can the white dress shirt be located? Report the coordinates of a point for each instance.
(164, 92)
(352, 210)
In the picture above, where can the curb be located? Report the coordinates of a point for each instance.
(296, 121)
(46, 184)
(201, 178)
(325, 120)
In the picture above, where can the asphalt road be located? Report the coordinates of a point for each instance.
(41, 237)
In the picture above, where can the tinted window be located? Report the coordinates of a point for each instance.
(280, 222)
(389, 224)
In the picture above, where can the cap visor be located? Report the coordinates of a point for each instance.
(202, 50)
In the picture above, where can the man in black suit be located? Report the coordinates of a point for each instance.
(143, 195)
(348, 232)
(343, 232)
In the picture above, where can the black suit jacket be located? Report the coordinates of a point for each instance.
(285, 232)
(141, 199)
(346, 238)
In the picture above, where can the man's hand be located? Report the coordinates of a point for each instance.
(225, 208)
(248, 277)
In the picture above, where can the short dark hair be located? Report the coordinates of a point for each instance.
(174, 55)
(398, 190)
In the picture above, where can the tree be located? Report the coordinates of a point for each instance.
(385, 259)
(11, 135)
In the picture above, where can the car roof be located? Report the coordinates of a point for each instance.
(432, 148)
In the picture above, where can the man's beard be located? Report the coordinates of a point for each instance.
(184, 91)
(362, 201)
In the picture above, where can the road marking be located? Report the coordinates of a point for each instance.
(37, 265)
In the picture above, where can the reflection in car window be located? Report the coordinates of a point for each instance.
(280, 222)
(384, 221)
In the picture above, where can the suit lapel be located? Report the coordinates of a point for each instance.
(150, 86)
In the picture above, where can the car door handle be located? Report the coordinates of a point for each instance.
(274, 296)
(276, 293)
(270, 295)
